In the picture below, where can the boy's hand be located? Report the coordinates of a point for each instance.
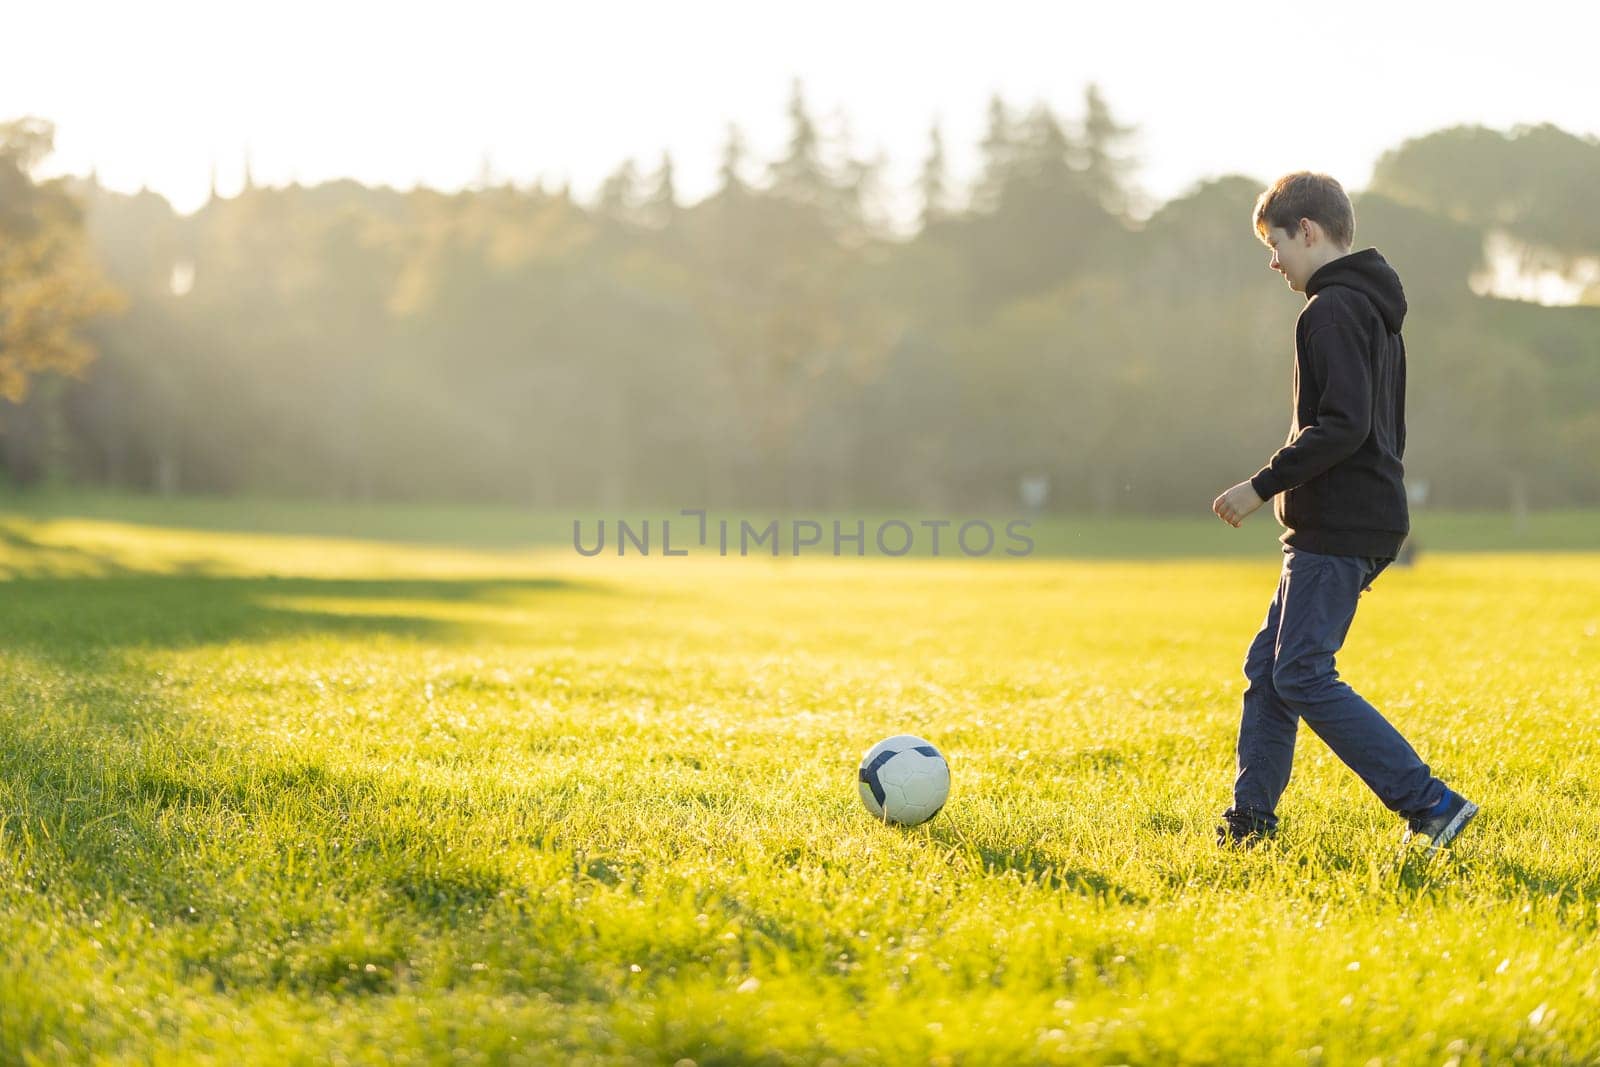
(1233, 506)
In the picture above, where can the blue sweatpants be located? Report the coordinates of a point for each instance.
(1291, 677)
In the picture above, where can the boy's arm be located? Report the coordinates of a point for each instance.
(1344, 412)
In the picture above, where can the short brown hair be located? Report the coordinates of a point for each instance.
(1306, 195)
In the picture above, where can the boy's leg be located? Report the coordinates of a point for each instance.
(1319, 595)
(1266, 732)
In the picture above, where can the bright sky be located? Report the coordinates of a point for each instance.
(400, 93)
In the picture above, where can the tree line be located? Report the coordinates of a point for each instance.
(776, 343)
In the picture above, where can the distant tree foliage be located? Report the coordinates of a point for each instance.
(49, 284)
(775, 344)
(933, 185)
(1536, 182)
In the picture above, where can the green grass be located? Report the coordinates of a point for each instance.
(504, 526)
(285, 799)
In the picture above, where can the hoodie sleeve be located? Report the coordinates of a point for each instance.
(1344, 412)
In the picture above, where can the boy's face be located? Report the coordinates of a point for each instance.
(1292, 255)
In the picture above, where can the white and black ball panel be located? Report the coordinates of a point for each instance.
(903, 779)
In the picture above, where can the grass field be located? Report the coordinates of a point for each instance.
(294, 798)
(504, 527)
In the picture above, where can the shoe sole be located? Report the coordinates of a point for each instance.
(1453, 828)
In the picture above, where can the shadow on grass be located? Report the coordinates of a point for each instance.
(1038, 867)
(292, 875)
(73, 619)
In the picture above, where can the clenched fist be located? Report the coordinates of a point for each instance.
(1233, 506)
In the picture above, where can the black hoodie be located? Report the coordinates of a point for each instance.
(1338, 479)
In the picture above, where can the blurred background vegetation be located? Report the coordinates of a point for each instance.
(781, 343)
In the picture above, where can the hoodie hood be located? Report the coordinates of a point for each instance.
(1366, 272)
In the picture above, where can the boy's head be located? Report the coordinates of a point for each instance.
(1306, 219)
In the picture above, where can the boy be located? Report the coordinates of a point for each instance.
(1342, 503)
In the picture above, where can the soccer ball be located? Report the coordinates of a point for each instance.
(904, 780)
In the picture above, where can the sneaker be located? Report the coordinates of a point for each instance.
(1443, 824)
(1240, 833)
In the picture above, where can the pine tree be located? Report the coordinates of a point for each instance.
(619, 193)
(1106, 167)
(661, 202)
(730, 170)
(800, 174)
(999, 149)
(933, 183)
(1044, 152)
